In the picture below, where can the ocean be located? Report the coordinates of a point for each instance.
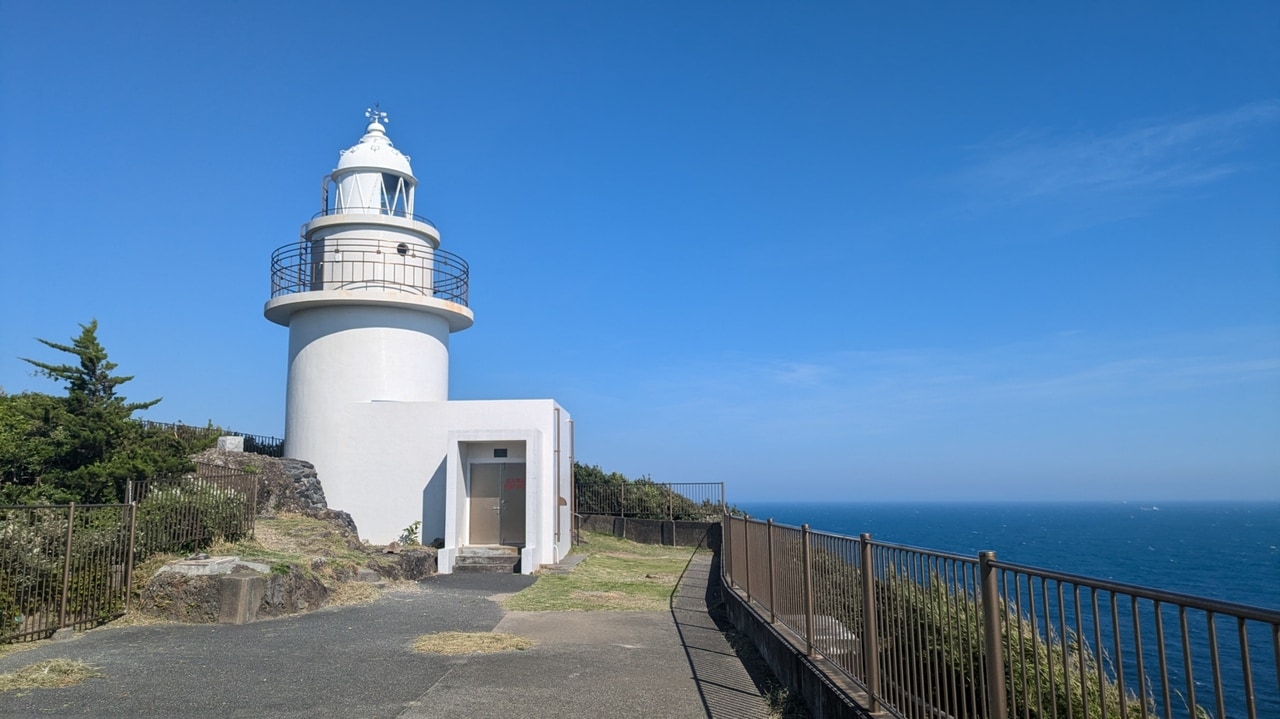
(1221, 550)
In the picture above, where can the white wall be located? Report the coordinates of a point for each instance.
(397, 462)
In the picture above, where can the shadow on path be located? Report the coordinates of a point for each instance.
(729, 685)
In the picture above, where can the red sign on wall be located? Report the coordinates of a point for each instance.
(514, 483)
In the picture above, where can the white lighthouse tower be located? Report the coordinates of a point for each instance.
(370, 300)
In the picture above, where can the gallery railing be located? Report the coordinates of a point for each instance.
(689, 501)
(350, 264)
(932, 634)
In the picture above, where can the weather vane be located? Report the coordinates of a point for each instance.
(376, 115)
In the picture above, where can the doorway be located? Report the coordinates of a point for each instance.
(497, 502)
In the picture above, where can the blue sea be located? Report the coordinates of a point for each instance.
(1226, 551)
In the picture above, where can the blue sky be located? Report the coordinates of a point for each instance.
(846, 251)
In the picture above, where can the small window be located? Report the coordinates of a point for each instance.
(500, 452)
(402, 248)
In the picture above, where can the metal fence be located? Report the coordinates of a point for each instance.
(346, 264)
(691, 501)
(183, 513)
(255, 443)
(932, 634)
(72, 565)
(63, 566)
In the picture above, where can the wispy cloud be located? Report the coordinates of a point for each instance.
(1155, 156)
(857, 389)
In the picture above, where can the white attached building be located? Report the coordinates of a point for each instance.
(370, 300)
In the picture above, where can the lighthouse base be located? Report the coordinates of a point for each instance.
(493, 473)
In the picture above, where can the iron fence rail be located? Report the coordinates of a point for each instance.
(72, 565)
(63, 566)
(182, 513)
(690, 501)
(344, 264)
(939, 635)
(255, 443)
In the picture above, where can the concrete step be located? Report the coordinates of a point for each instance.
(489, 551)
(494, 560)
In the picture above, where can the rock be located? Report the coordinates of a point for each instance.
(292, 592)
(285, 485)
(411, 564)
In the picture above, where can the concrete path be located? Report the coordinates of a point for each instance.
(357, 662)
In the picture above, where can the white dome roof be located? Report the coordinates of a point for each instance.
(374, 151)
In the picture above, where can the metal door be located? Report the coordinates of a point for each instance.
(486, 503)
(512, 524)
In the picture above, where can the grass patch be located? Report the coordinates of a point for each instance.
(617, 575)
(293, 537)
(49, 674)
(7, 649)
(455, 643)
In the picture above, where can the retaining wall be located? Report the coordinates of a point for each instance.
(825, 690)
(654, 531)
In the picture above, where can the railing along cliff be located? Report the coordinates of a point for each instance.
(932, 634)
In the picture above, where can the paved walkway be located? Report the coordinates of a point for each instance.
(357, 662)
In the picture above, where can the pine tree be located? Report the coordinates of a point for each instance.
(91, 384)
(98, 446)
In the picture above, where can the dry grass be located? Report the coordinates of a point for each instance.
(455, 643)
(7, 649)
(133, 619)
(49, 674)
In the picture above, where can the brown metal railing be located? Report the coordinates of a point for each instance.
(938, 635)
(181, 514)
(691, 501)
(71, 566)
(63, 566)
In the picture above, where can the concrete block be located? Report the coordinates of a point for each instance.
(239, 595)
(228, 443)
(213, 565)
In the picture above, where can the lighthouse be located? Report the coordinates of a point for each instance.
(370, 299)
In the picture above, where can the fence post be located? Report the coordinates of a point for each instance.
(726, 547)
(622, 503)
(808, 589)
(773, 614)
(66, 566)
(722, 507)
(128, 558)
(671, 503)
(128, 491)
(746, 555)
(993, 657)
(870, 640)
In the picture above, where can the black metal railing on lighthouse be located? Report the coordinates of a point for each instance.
(351, 264)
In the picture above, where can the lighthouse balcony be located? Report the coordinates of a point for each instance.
(355, 265)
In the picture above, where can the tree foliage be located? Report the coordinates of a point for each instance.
(84, 446)
(600, 492)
